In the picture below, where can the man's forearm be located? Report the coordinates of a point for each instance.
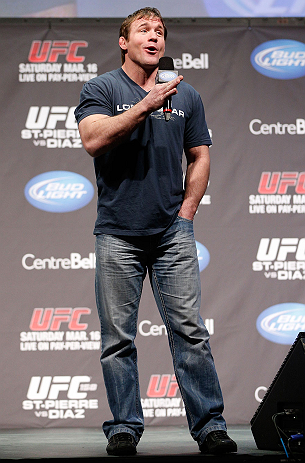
(103, 133)
(100, 133)
(196, 180)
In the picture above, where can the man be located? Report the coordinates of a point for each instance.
(145, 223)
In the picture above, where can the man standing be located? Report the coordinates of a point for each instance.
(145, 223)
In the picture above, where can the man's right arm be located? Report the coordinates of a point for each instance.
(100, 133)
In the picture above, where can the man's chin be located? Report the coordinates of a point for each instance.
(152, 62)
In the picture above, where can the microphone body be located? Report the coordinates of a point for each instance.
(166, 73)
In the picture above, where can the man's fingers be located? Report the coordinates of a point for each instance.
(173, 83)
(171, 87)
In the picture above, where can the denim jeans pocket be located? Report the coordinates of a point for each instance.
(184, 219)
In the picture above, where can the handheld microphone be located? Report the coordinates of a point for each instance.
(166, 73)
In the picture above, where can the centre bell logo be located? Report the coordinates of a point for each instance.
(280, 59)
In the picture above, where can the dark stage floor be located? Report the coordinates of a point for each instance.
(160, 444)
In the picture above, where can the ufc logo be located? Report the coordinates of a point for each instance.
(278, 182)
(48, 117)
(46, 387)
(162, 386)
(49, 51)
(278, 249)
(51, 319)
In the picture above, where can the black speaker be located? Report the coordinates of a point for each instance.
(284, 402)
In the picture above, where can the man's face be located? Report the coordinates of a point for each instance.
(146, 42)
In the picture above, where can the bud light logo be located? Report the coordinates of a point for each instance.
(59, 191)
(281, 323)
(280, 59)
(203, 256)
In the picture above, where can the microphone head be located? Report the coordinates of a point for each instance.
(166, 63)
(166, 71)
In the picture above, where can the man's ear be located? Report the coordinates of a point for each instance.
(123, 43)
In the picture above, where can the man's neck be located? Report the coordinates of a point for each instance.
(144, 78)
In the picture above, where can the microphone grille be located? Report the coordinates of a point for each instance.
(166, 63)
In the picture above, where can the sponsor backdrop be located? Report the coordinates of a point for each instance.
(249, 227)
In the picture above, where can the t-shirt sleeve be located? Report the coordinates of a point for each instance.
(94, 99)
(196, 130)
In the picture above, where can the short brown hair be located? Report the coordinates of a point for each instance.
(146, 12)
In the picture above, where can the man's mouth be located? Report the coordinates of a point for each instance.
(152, 49)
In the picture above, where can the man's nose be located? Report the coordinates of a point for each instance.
(153, 36)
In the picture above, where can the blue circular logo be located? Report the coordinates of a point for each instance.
(280, 59)
(167, 76)
(59, 191)
(203, 256)
(281, 323)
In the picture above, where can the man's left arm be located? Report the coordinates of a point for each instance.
(196, 179)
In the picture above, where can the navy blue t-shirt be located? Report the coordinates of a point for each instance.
(140, 182)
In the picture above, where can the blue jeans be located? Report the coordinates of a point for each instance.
(171, 260)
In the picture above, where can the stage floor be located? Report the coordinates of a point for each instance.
(170, 444)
